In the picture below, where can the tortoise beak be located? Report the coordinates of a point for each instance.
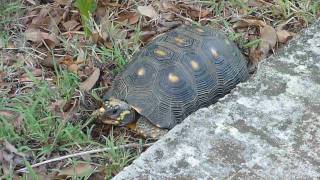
(101, 115)
(128, 118)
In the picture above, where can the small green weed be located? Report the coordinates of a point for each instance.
(119, 158)
(86, 7)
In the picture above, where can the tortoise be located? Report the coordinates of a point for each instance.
(174, 75)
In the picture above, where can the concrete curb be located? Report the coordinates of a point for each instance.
(267, 128)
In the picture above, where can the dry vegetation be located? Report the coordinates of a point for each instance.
(58, 57)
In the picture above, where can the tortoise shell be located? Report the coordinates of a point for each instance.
(185, 69)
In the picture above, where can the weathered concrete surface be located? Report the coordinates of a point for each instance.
(268, 128)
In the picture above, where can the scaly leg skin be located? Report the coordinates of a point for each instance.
(148, 130)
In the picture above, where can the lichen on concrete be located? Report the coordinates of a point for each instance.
(267, 128)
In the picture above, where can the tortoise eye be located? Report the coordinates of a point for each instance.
(115, 110)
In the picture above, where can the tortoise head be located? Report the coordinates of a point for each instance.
(117, 112)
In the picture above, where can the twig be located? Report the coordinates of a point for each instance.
(131, 145)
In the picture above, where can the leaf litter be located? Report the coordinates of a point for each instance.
(96, 44)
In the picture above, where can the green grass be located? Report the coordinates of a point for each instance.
(44, 132)
(9, 11)
(119, 157)
(86, 7)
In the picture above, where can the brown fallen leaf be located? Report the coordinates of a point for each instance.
(244, 23)
(70, 25)
(35, 35)
(255, 55)
(35, 72)
(31, 2)
(89, 83)
(73, 68)
(283, 36)
(66, 60)
(10, 157)
(268, 36)
(97, 38)
(146, 36)
(50, 39)
(62, 2)
(268, 39)
(133, 19)
(148, 11)
(168, 16)
(81, 57)
(80, 170)
(14, 118)
(49, 61)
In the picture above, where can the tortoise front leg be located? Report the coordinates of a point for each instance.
(148, 130)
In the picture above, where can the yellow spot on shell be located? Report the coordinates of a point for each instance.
(102, 110)
(141, 72)
(160, 52)
(173, 78)
(214, 53)
(179, 40)
(200, 30)
(194, 65)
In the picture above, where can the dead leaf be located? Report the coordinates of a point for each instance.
(81, 57)
(49, 61)
(255, 55)
(35, 35)
(254, 3)
(50, 39)
(32, 2)
(96, 38)
(68, 105)
(133, 19)
(244, 23)
(66, 60)
(35, 72)
(147, 35)
(6, 113)
(11, 154)
(14, 118)
(168, 16)
(70, 25)
(109, 45)
(284, 36)
(62, 2)
(81, 169)
(269, 39)
(148, 11)
(88, 84)
(73, 68)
